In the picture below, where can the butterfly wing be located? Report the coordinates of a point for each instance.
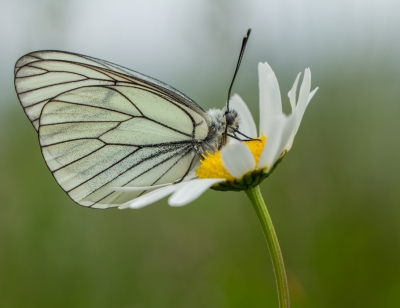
(42, 75)
(102, 126)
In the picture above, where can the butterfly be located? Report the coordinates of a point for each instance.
(101, 125)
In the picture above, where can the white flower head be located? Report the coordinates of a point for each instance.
(242, 164)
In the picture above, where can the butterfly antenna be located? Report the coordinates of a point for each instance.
(244, 42)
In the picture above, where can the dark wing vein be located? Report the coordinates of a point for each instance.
(184, 150)
(103, 170)
(91, 106)
(78, 159)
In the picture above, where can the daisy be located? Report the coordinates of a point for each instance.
(242, 165)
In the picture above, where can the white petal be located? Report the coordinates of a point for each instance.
(293, 93)
(273, 141)
(139, 188)
(238, 160)
(232, 141)
(270, 96)
(303, 98)
(291, 139)
(191, 191)
(312, 95)
(283, 130)
(289, 143)
(151, 197)
(189, 177)
(247, 124)
(288, 134)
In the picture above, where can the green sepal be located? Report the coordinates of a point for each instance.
(251, 179)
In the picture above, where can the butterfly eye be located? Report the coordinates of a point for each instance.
(229, 119)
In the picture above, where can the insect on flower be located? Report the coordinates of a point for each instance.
(101, 125)
(242, 166)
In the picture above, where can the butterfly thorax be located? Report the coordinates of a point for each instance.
(222, 124)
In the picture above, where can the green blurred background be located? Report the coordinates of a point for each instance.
(334, 200)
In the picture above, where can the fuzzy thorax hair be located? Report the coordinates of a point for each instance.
(222, 123)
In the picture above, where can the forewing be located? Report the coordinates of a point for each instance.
(42, 75)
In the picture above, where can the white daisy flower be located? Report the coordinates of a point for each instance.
(240, 165)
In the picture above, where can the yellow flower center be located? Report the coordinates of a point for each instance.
(256, 147)
(211, 166)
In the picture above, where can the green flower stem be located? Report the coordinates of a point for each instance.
(256, 199)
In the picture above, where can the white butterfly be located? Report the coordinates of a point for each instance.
(101, 126)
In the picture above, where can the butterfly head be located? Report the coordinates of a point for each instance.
(223, 124)
(231, 119)
(224, 121)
